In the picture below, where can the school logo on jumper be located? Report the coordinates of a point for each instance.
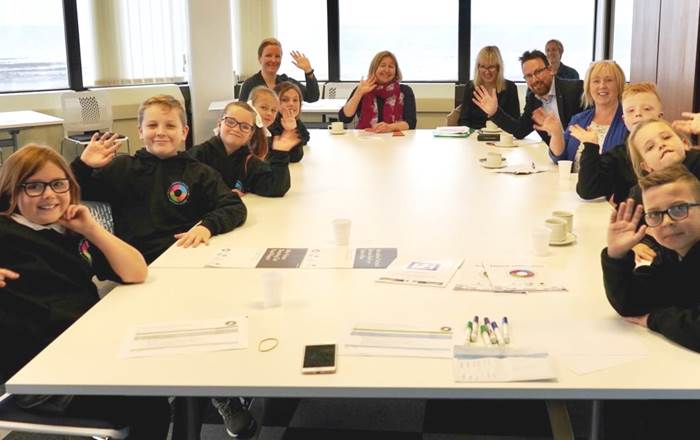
(178, 193)
(239, 186)
(84, 248)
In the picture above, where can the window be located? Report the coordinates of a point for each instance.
(33, 52)
(622, 35)
(303, 26)
(529, 25)
(132, 41)
(423, 38)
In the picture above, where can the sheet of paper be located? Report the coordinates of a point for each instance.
(282, 258)
(186, 337)
(421, 272)
(530, 168)
(342, 257)
(244, 258)
(513, 278)
(503, 369)
(395, 339)
(184, 258)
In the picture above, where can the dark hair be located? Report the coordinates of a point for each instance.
(284, 87)
(675, 173)
(533, 55)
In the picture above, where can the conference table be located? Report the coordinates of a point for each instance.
(430, 198)
(323, 107)
(14, 121)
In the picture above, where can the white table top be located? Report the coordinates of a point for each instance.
(427, 196)
(26, 118)
(323, 106)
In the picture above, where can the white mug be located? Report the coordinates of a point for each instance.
(506, 139)
(567, 216)
(336, 127)
(491, 126)
(558, 228)
(494, 159)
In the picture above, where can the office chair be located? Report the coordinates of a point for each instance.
(338, 90)
(14, 418)
(85, 113)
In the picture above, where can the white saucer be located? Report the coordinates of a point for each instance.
(570, 238)
(337, 132)
(498, 144)
(487, 131)
(482, 161)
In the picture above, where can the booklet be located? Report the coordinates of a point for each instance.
(511, 278)
(399, 339)
(421, 272)
(351, 258)
(451, 131)
(306, 258)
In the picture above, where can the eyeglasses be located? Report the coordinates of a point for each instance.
(233, 123)
(675, 212)
(491, 68)
(536, 74)
(35, 189)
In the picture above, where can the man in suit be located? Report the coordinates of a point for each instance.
(550, 97)
(554, 50)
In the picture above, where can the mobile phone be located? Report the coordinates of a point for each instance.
(319, 359)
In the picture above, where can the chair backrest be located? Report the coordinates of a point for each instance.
(337, 90)
(102, 213)
(86, 111)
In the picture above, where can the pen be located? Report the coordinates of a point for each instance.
(497, 332)
(485, 335)
(470, 331)
(489, 330)
(475, 329)
(506, 332)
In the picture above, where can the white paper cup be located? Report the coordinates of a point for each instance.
(565, 169)
(540, 241)
(558, 228)
(336, 127)
(506, 139)
(567, 216)
(490, 125)
(272, 289)
(493, 159)
(341, 230)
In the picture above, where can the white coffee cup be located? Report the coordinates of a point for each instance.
(494, 159)
(336, 127)
(558, 228)
(506, 139)
(491, 126)
(272, 289)
(567, 216)
(565, 169)
(540, 241)
(341, 230)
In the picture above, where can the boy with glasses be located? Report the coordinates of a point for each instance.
(664, 299)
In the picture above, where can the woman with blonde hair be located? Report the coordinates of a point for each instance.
(488, 76)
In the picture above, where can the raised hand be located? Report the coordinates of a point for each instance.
(487, 100)
(78, 219)
(289, 122)
(544, 121)
(584, 134)
(286, 141)
(689, 126)
(7, 274)
(194, 237)
(301, 61)
(366, 85)
(622, 230)
(101, 150)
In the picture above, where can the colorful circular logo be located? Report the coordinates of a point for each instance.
(178, 193)
(84, 248)
(522, 273)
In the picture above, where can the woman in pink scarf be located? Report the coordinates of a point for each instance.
(380, 103)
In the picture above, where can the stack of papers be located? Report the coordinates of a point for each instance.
(306, 258)
(500, 365)
(530, 168)
(511, 278)
(421, 272)
(460, 131)
(399, 339)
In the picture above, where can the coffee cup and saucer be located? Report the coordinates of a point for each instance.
(493, 160)
(337, 128)
(491, 127)
(560, 235)
(506, 141)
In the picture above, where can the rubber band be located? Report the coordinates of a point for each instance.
(273, 342)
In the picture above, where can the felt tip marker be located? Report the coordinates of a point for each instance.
(485, 335)
(497, 332)
(506, 330)
(470, 332)
(475, 329)
(489, 330)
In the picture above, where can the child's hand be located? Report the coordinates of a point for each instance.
(289, 122)
(301, 61)
(366, 85)
(198, 234)
(78, 219)
(638, 320)
(622, 231)
(688, 126)
(101, 150)
(7, 274)
(285, 142)
(545, 121)
(643, 252)
(486, 100)
(584, 134)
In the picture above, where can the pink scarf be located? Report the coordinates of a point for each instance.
(392, 110)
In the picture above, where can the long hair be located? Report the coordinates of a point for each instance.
(633, 148)
(285, 86)
(490, 55)
(258, 141)
(374, 65)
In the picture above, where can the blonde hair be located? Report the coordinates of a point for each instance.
(376, 61)
(675, 173)
(286, 86)
(258, 141)
(259, 91)
(595, 68)
(166, 101)
(490, 55)
(634, 89)
(633, 150)
(269, 41)
(23, 164)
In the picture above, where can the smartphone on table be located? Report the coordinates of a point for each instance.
(319, 359)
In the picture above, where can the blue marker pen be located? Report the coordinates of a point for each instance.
(506, 331)
(492, 336)
(497, 332)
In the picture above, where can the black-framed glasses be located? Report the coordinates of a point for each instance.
(35, 189)
(675, 212)
(536, 74)
(233, 123)
(490, 68)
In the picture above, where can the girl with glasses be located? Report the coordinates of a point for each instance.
(239, 152)
(488, 75)
(57, 247)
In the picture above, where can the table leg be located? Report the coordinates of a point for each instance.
(187, 423)
(559, 420)
(596, 414)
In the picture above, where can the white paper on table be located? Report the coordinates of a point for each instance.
(510, 278)
(420, 272)
(329, 258)
(186, 337)
(530, 168)
(177, 257)
(503, 369)
(239, 258)
(393, 339)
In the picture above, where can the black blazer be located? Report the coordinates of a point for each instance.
(472, 116)
(568, 101)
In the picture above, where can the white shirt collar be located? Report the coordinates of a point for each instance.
(19, 218)
(551, 94)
